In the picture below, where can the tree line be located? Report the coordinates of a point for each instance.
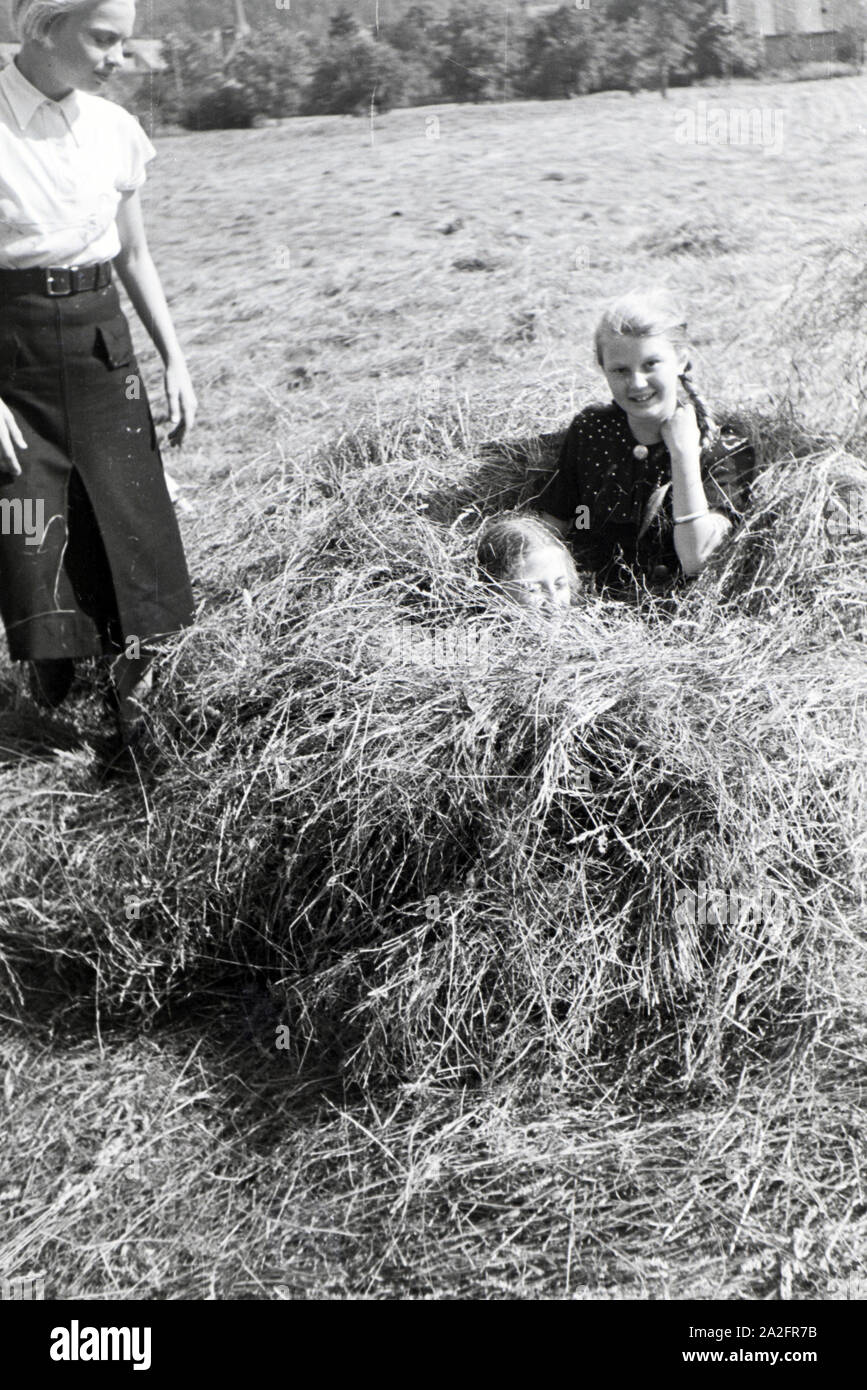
(473, 53)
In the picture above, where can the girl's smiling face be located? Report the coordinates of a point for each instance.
(86, 46)
(643, 376)
(540, 580)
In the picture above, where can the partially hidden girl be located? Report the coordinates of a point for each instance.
(91, 560)
(648, 486)
(525, 563)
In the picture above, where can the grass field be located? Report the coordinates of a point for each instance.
(366, 306)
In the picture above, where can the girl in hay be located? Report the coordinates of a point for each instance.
(77, 443)
(527, 564)
(647, 486)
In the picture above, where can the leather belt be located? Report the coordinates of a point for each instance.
(56, 282)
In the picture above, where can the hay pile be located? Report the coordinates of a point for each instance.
(823, 322)
(455, 845)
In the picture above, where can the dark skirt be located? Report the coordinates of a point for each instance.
(109, 566)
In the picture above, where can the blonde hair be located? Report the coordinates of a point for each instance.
(645, 314)
(653, 313)
(507, 540)
(34, 18)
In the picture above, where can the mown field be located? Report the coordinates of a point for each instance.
(490, 1098)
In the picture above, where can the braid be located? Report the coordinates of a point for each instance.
(708, 428)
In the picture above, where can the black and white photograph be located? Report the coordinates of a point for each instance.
(433, 705)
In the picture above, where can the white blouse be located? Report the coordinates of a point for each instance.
(64, 167)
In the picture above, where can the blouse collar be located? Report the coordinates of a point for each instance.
(25, 99)
(651, 450)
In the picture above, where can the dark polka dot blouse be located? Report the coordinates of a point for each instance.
(610, 488)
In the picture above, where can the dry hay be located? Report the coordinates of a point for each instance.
(454, 841)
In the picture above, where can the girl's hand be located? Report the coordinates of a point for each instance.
(181, 400)
(681, 433)
(11, 439)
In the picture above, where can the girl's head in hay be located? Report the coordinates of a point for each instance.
(526, 562)
(642, 347)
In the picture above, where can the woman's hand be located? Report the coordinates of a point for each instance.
(139, 277)
(681, 433)
(181, 399)
(11, 439)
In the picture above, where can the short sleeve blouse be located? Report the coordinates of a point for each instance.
(64, 168)
(604, 489)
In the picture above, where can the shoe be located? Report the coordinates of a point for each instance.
(131, 751)
(50, 681)
(130, 716)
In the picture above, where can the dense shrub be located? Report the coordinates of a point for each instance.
(343, 24)
(225, 107)
(627, 63)
(416, 33)
(850, 44)
(724, 49)
(471, 62)
(341, 67)
(265, 77)
(274, 71)
(193, 71)
(416, 37)
(563, 53)
(634, 44)
(355, 73)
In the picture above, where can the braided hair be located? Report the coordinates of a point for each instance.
(655, 314)
(707, 427)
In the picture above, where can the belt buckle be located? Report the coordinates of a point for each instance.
(54, 278)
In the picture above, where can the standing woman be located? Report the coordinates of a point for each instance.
(91, 560)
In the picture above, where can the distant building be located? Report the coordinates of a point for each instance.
(144, 56)
(769, 17)
(795, 30)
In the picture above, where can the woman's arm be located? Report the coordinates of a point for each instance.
(695, 541)
(141, 281)
(11, 439)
